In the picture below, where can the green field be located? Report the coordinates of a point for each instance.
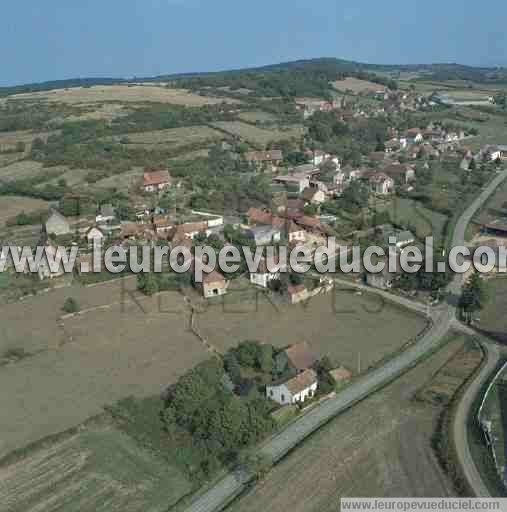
(93, 469)
(493, 131)
(492, 317)
(426, 222)
(258, 136)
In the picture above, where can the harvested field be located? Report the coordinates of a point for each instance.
(114, 348)
(175, 137)
(380, 447)
(10, 206)
(357, 86)
(107, 112)
(96, 469)
(20, 170)
(342, 325)
(259, 136)
(121, 94)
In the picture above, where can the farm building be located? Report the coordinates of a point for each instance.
(297, 357)
(213, 284)
(295, 390)
(341, 374)
(57, 224)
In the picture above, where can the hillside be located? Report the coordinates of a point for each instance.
(324, 68)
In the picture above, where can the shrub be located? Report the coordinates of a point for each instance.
(71, 305)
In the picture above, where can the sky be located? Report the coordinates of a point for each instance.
(59, 39)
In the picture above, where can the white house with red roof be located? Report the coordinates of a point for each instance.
(156, 180)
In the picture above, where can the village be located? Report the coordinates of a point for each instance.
(207, 371)
(300, 209)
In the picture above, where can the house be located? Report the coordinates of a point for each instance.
(492, 153)
(295, 390)
(341, 375)
(308, 170)
(43, 269)
(378, 156)
(295, 233)
(294, 208)
(265, 159)
(57, 224)
(381, 184)
(317, 157)
(313, 195)
(413, 136)
(466, 163)
(297, 181)
(264, 276)
(156, 180)
(213, 284)
(404, 238)
(134, 231)
(394, 171)
(385, 279)
(263, 217)
(392, 146)
(162, 223)
(263, 235)
(311, 225)
(297, 357)
(94, 236)
(189, 230)
(106, 215)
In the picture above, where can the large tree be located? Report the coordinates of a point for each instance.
(472, 298)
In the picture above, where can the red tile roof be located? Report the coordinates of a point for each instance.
(300, 356)
(155, 177)
(264, 156)
(301, 382)
(295, 289)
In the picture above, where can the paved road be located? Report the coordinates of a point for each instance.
(463, 412)
(418, 307)
(443, 319)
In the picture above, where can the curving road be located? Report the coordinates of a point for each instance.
(443, 319)
(460, 422)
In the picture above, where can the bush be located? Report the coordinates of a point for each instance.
(71, 305)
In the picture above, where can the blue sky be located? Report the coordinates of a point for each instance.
(70, 38)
